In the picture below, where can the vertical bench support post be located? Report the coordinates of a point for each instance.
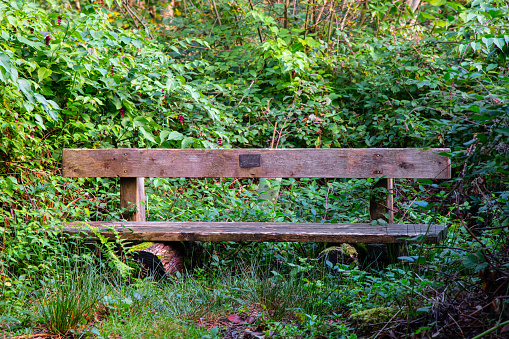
(384, 204)
(380, 204)
(132, 192)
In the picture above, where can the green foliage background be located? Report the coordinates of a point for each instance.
(371, 74)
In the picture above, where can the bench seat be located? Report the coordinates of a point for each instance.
(263, 231)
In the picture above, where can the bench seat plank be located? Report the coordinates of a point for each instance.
(260, 231)
(269, 163)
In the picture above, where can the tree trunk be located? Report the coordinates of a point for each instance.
(161, 260)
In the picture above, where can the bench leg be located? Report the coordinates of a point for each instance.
(160, 259)
(132, 192)
(378, 206)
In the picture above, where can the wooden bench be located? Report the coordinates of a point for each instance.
(133, 165)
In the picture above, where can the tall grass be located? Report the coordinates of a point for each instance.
(68, 300)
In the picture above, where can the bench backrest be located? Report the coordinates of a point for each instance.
(258, 163)
(133, 165)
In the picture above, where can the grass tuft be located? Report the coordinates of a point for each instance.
(69, 300)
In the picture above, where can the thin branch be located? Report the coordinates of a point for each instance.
(132, 13)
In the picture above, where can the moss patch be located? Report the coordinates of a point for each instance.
(379, 315)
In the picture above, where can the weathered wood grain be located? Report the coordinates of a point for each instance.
(132, 192)
(259, 231)
(275, 163)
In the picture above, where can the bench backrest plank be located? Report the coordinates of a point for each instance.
(258, 163)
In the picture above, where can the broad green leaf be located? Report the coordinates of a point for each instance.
(462, 48)
(140, 121)
(188, 141)
(425, 181)
(39, 121)
(426, 309)
(421, 203)
(25, 87)
(195, 95)
(470, 260)
(54, 104)
(174, 135)
(53, 114)
(490, 67)
(117, 102)
(12, 20)
(499, 42)
(42, 100)
(170, 84)
(33, 44)
(28, 106)
(474, 108)
(163, 135)
(126, 40)
(488, 42)
(147, 135)
(504, 131)
(14, 74)
(5, 62)
(437, 2)
(43, 73)
(97, 34)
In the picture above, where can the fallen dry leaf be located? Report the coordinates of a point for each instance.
(234, 318)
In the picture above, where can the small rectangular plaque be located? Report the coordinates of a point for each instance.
(249, 160)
